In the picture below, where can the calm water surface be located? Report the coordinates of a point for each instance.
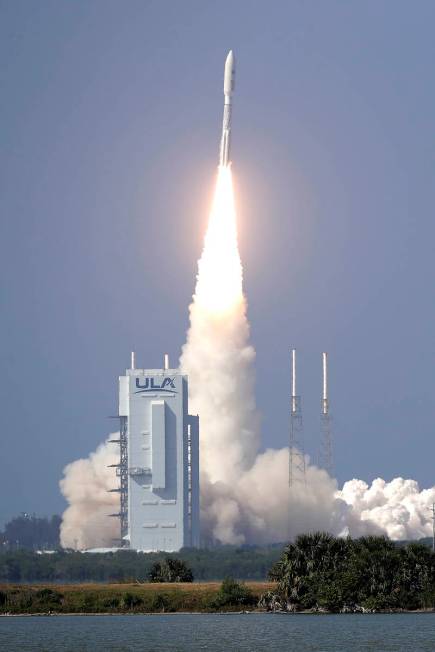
(186, 632)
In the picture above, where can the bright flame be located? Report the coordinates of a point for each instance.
(219, 283)
(244, 495)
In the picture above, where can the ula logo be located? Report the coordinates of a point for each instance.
(149, 385)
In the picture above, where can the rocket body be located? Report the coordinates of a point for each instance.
(229, 77)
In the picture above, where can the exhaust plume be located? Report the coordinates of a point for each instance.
(217, 355)
(245, 497)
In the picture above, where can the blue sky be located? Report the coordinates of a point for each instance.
(110, 117)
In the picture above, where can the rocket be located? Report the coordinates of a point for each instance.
(229, 77)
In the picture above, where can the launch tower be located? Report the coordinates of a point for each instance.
(159, 461)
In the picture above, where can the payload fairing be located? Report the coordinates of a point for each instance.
(229, 78)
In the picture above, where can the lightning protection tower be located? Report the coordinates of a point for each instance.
(326, 459)
(296, 444)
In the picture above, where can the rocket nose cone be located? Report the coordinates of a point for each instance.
(230, 72)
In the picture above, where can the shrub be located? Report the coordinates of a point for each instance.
(160, 602)
(271, 601)
(376, 603)
(111, 603)
(88, 602)
(48, 595)
(130, 601)
(46, 600)
(170, 570)
(233, 594)
(329, 597)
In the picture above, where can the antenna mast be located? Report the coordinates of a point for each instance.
(326, 459)
(296, 443)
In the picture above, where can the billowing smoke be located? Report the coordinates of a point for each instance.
(86, 486)
(398, 508)
(245, 495)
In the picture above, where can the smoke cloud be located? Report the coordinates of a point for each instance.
(245, 497)
(86, 486)
(398, 508)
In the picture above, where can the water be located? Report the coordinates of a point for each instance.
(233, 632)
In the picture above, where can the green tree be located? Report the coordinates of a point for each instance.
(170, 570)
(232, 594)
(32, 532)
(320, 571)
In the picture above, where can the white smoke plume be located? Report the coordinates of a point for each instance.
(86, 486)
(245, 497)
(217, 356)
(398, 508)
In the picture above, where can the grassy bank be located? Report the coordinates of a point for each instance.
(123, 598)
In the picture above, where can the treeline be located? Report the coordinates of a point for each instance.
(318, 572)
(248, 563)
(31, 532)
(321, 572)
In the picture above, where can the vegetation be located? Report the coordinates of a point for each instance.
(317, 572)
(131, 598)
(322, 572)
(247, 563)
(233, 594)
(170, 570)
(31, 532)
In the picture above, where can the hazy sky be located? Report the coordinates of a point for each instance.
(110, 118)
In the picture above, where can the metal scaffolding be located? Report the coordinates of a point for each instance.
(122, 471)
(122, 474)
(189, 481)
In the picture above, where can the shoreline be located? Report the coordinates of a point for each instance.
(216, 613)
(156, 599)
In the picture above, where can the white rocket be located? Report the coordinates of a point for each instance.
(229, 77)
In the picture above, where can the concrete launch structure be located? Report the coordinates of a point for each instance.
(159, 461)
(229, 80)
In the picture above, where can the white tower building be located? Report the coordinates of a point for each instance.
(159, 469)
